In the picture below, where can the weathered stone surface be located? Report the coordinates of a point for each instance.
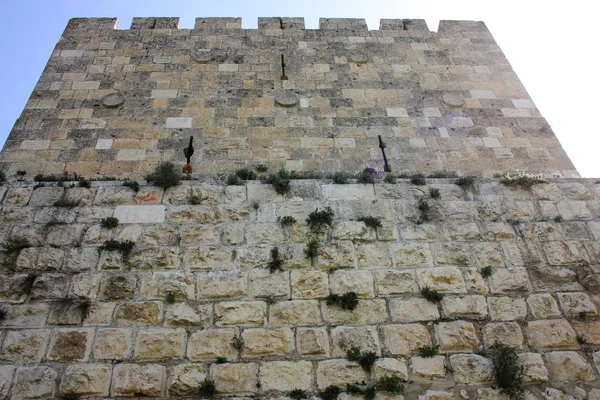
(160, 344)
(7, 373)
(339, 373)
(112, 344)
(506, 308)
(210, 344)
(27, 315)
(405, 339)
(34, 383)
(576, 304)
(373, 256)
(471, 307)
(508, 333)
(140, 214)
(345, 337)
(266, 342)
(312, 342)
(24, 347)
(389, 282)
(222, 285)
(509, 281)
(429, 368)
(471, 369)
(113, 100)
(436, 395)
(443, 279)
(157, 285)
(309, 284)
(285, 376)
(390, 367)
(118, 287)
(453, 100)
(133, 379)
(189, 314)
(185, 379)
(155, 258)
(413, 310)
(295, 313)
(411, 255)
(70, 345)
(86, 380)
(366, 312)
(141, 313)
(543, 306)
(569, 366)
(241, 313)
(239, 378)
(534, 370)
(456, 336)
(286, 98)
(338, 254)
(359, 282)
(207, 258)
(555, 334)
(263, 283)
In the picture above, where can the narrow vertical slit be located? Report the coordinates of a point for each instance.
(281, 23)
(403, 25)
(283, 75)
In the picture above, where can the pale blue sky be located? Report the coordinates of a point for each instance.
(553, 48)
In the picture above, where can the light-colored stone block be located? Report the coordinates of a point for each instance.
(179, 122)
(145, 214)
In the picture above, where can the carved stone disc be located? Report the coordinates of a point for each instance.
(202, 57)
(453, 99)
(360, 58)
(286, 98)
(112, 100)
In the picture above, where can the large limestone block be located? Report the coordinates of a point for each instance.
(27, 315)
(471, 307)
(411, 255)
(554, 334)
(263, 283)
(413, 310)
(185, 379)
(543, 306)
(241, 313)
(359, 282)
(24, 347)
(118, 287)
(266, 342)
(135, 379)
(456, 336)
(157, 285)
(160, 344)
(509, 281)
(508, 333)
(373, 256)
(576, 304)
(312, 342)
(207, 258)
(239, 378)
(70, 345)
(471, 369)
(391, 282)
(264, 233)
(222, 285)
(534, 370)
(346, 337)
(285, 376)
(112, 344)
(353, 230)
(86, 380)
(565, 253)
(140, 214)
(189, 314)
(139, 313)
(34, 383)
(390, 367)
(507, 308)
(210, 344)
(309, 284)
(366, 312)
(156, 258)
(348, 192)
(429, 368)
(405, 339)
(335, 255)
(200, 235)
(339, 372)
(7, 372)
(190, 214)
(442, 279)
(569, 366)
(295, 313)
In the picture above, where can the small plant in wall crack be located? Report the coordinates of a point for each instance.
(465, 181)
(486, 272)
(133, 185)
(581, 339)
(312, 249)
(330, 393)
(286, 220)
(27, 284)
(165, 175)
(522, 179)
(431, 295)
(64, 202)
(171, 297)
(122, 247)
(371, 222)
(434, 193)
(508, 371)
(429, 351)
(347, 301)
(418, 179)
(392, 384)
(365, 360)
(276, 262)
(298, 394)
(423, 207)
(280, 182)
(317, 220)
(207, 389)
(109, 222)
(237, 342)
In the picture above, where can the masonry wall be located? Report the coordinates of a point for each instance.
(542, 245)
(441, 101)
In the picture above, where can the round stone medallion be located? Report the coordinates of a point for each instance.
(453, 99)
(202, 57)
(113, 100)
(359, 58)
(287, 98)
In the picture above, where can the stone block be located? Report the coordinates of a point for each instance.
(118, 287)
(554, 334)
(471, 369)
(207, 258)
(34, 383)
(112, 344)
(569, 366)
(189, 314)
(339, 372)
(190, 214)
(390, 367)
(85, 286)
(263, 283)
(155, 258)
(160, 344)
(264, 234)
(237, 378)
(442, 279)
(91, 380)
(366, 312)
(295, 313)
(335, 255)
(353, 230)
(138, 379)
(576, 304)
(7, 372)
(348, 192)
(359, 282)
(429, 368)
(391, 282)
(411, 255)
(241, 313)
(508, 333)
(345, 337)
(157, 285)
(285, 376)
(70, 345)
(309, 284)
(266, 342)
(405, 339)
(140, 214)
(470, 307)
(413, 310)
(456, 336)
(312, 342)
(543, 306)
(185, 379)
(25, 347)
(139, 313)
(534, 370)
(373, 255)
(507, 308)
(210, 344)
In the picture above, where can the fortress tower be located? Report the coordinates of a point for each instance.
(277, 289)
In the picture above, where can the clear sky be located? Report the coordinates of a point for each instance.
(552, 46)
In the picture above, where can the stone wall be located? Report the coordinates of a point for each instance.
(441, 101)
(161, 320)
